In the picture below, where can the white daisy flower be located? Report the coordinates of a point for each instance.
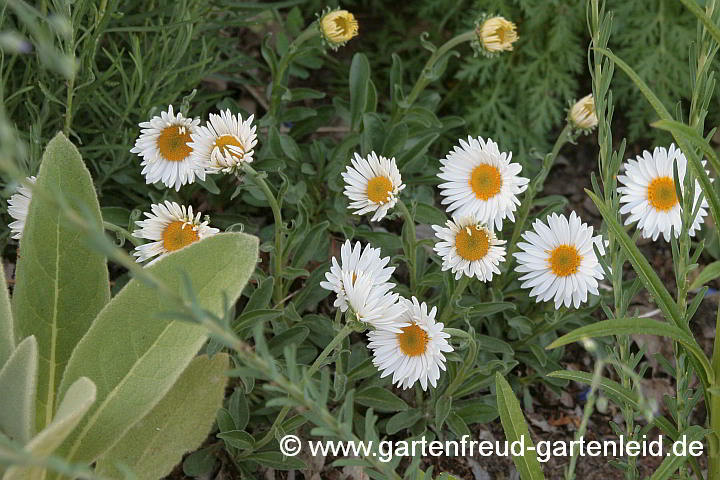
(18, 207)
(372, 184)
(416, 352)
(649, 194)
(469, 248)
(373, 304)
(225, 143)
(559, 261)
(170, 227)
(481, 181)
(163, 145)
(354, 260)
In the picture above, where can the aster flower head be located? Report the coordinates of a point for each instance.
(18, 208)
(558, 262)
(582, 114)
(163, 146)
(224, 143)
(416, 351)
(337, 27)
(355, 260)
(482, 182)
(469, 248)
(170, 227)
(649, 195)
(371, 304)
(495, 34)
(372, 184)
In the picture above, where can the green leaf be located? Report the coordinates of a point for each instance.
(706, 21)
(134, 355)
(359, 80)
(516, 430)
(672, 462)
(380, 399)
(709, 273)
(611, 388)
(402, 420)
(179, 423)
(61, 283)
(442, 410)
(18, 379)
(7, 339)
(644, 326)
(77, 401)
(238, 439)
(275, 460)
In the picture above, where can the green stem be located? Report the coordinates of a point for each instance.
(467, 363)
(425, 76)
(124, 233)
(283, 65)
(714, 437)
(277, 216)
(460, 287)
(347, 329)
(412, 254)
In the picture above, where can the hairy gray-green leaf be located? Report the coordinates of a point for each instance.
(179, 423)
(134, 355)
(7, 339)
(74, 405)
(515, 429)
(17, 392)
(61, 283)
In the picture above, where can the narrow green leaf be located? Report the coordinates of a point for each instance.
(402, 420)
(179, 423)
(134, 355)
(238, 439)
(73, 407)
(18, 379)
(609, 386)
(61, 283)
(359, 79)
(709, 273)
(516, 430)
(631, 326)
(442, 410)
(7, 338)
(380, 399)
(673, 462)
(275, 460)
(702, 16)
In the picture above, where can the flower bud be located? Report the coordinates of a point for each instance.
(494, 35)
(582, 114)
(338, 27)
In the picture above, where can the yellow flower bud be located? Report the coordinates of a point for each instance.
(337, 27)
(582, 114)
(496, 34)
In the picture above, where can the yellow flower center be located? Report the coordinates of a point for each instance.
(413, 340)
(379, 189)
(225, 142)
(497, 34)
(564, 260)
(486, 181)
(661, 193)
(172, 143)
(472, 243)
(339, 26)
(178, 235)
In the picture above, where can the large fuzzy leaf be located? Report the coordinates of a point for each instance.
(134, 354)
(75, 404)
(178, 424)
(61, 284)
(17, 392)
(7, 339)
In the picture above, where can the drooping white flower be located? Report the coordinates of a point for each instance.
(558, 260)
(224, 143)
(649, 193)
(414, 353)
(18, 207)
(372, 184)
(372, 304)
(481, 181)
(355, 259)
(163, 145)
(170, 227)
(469, 248)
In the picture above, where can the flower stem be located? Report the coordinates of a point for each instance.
(124, 233)
(275, 95)
(426, 75)
(277, 216)
(412, 254)
(460, 287)
(467, 363)
(319, 361)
